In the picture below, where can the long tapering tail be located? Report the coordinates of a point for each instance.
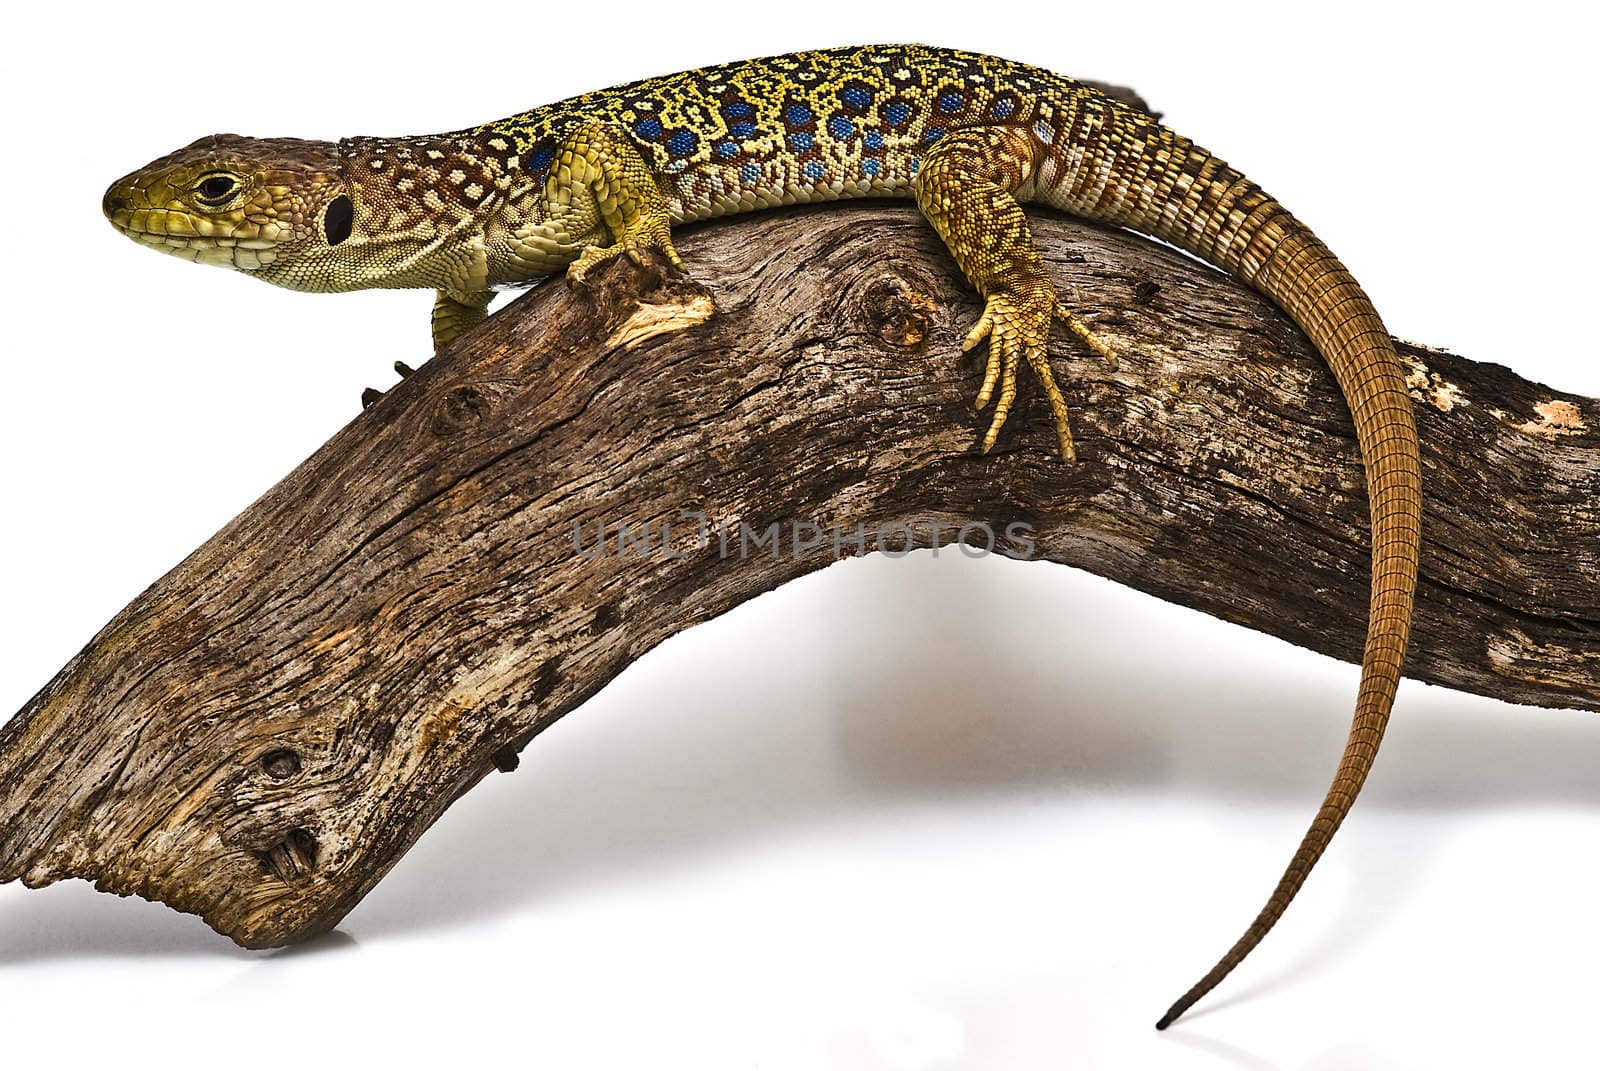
(1184, 195)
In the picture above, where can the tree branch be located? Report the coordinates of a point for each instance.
(264, 732)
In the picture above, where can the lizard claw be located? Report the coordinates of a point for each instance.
(372, 395)
(638, 253)
(592, 256)
(1106, 351)
(636, 246)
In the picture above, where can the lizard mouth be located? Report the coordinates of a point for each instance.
(183, 236)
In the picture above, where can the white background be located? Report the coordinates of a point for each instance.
(914, 814)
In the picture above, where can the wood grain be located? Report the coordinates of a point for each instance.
(263, 733)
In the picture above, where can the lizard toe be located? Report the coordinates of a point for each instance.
(1017, 329)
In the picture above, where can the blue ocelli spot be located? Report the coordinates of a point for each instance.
(737, 110)
(897, 113)
(750, 174)
(814, 170)
(1003, 107)
(840, 127)
(742, 130)
(874, 139)
(727, 150)
(1045, 132)
(540, 159)
(871, 166)
(682, 143)
(797, 115)
(916, 162)
(950, 102)
(933, 134)
(649, 128)
(800, 142)
(855, 97)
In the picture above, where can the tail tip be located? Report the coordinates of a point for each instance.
(1174, 1012)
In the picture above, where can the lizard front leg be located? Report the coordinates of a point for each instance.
(965, 186)
(599, 178)
(453, 312)
(456, 310)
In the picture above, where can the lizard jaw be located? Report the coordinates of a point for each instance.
(190, 238)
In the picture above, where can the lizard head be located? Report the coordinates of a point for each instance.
(276, 208)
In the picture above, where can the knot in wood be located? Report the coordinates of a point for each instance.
(280, 765)
(898, 307)
(462, 408)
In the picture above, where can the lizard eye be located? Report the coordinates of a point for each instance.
(216, 189)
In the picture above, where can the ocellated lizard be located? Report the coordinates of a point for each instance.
(969, 137)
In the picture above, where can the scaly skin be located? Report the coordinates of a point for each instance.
(969, 137)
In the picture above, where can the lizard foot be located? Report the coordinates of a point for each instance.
(1018, 329)
(634, 245)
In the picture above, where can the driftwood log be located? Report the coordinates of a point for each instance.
(263, 733)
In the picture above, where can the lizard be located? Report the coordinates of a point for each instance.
(969, 137)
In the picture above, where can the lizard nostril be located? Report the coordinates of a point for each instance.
(112, 204)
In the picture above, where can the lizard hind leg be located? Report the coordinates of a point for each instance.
(965, 187)
(602, 166)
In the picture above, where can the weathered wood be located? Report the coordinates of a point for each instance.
(264, 732)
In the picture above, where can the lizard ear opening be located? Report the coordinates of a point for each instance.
(338, 220)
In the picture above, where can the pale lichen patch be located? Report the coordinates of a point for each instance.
(1417, 378)
(1554, 419)
(1446, 395)
(1428, 386)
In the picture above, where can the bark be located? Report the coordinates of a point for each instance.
(263, 733)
